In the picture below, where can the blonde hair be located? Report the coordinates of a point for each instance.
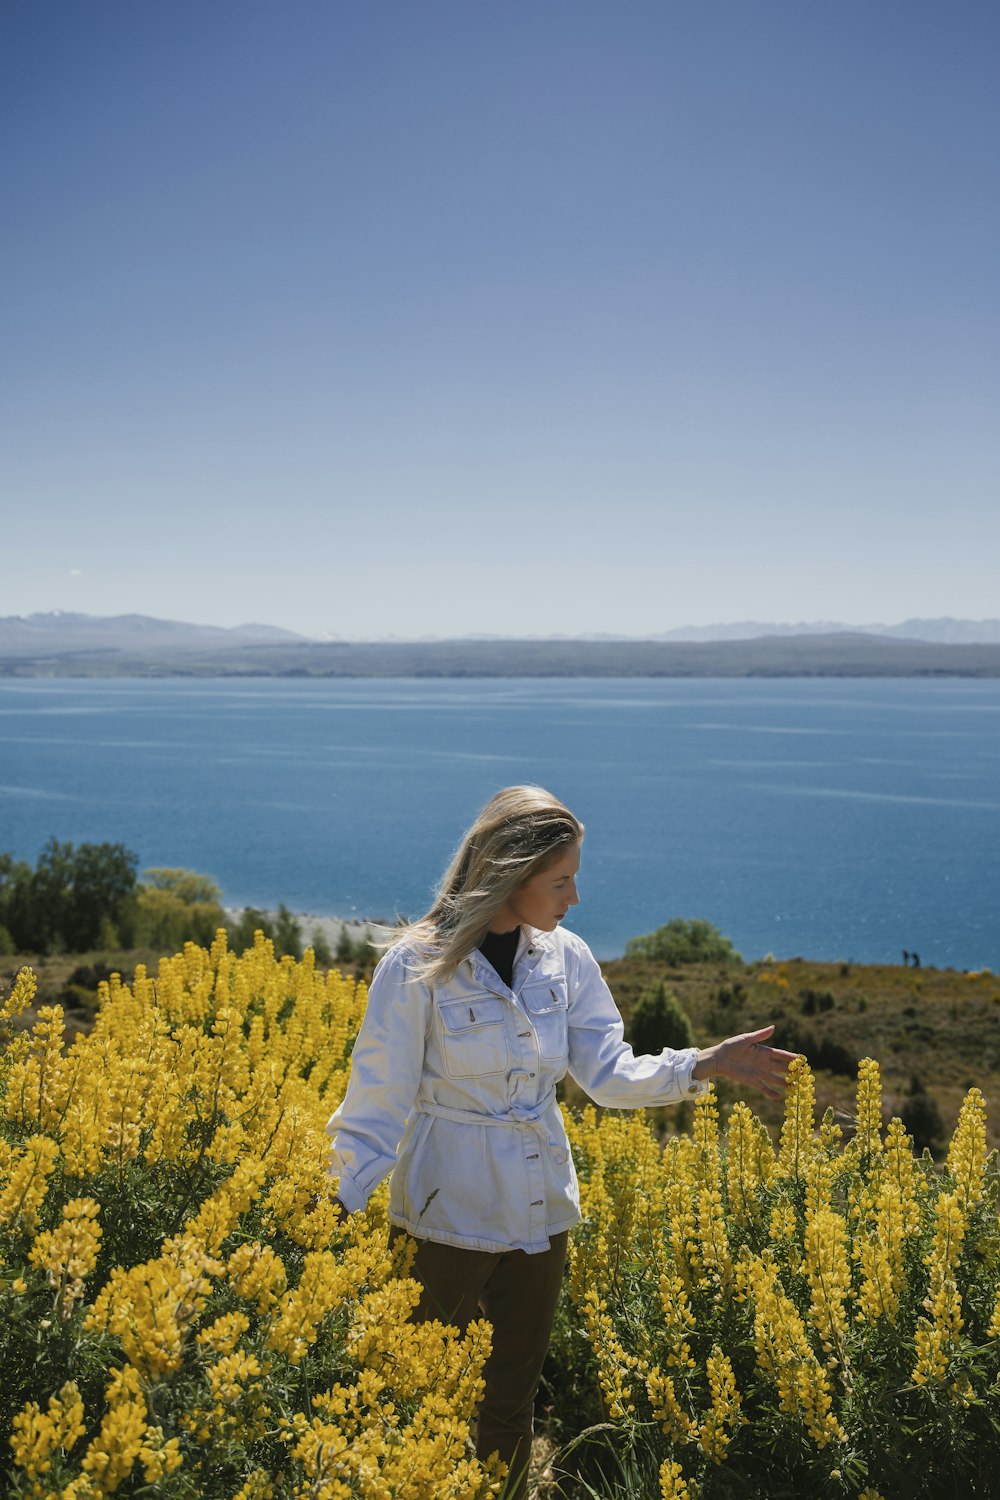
(520, 832)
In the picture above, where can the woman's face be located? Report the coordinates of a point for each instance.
(545, 899)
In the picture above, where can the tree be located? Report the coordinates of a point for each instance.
(659, 1020)
(320, 945)
(343, 953)
(103, 879)
(287, 934)
(174, 907)
(922, 1117)
(63, 902)
(684, 941)
(284, 931)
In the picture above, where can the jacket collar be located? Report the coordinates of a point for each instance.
(532, 945)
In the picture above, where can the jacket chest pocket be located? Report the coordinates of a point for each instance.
(547, 1008)
(474, 1036)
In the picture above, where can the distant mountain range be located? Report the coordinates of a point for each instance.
(947, 631)
(77, 645)
(57, 631)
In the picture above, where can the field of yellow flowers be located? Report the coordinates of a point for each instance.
(183, 1314)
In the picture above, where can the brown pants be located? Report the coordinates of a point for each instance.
(518, 1293)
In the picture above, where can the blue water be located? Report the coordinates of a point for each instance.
(829, 818)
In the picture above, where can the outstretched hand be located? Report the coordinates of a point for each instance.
(745, 1059)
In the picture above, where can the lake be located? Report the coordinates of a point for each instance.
(830, 818)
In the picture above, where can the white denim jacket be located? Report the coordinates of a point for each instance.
(453, 1090)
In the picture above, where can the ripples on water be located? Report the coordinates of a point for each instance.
(828, 818)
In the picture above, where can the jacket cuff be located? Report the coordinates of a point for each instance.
(350, 1194)
(690, 1087)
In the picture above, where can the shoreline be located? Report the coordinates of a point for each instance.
(312, 924)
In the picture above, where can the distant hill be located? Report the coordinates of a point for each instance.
(61, 645)
(945, 631)
(58, 632)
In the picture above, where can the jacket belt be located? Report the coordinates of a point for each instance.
(533, 1120)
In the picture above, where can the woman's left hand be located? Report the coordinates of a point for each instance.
(745, 1059)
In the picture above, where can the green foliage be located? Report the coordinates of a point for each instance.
(284, 931)
(64, 901)
(683, 941)
(174, 907)
(659, 1020)
(359, 955)
(322, 951)
(823, 1053)
(922, 1117)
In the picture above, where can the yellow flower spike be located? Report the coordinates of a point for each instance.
(828, 1273)
(37, 1437)
(258, 1275)
(742, 1163)
(323, 1286)
(867, 1143)
(725, 1414)
(936, 1338)
(967, 1153)
(798, 1147)
(27, 1182)
(22, 993)
(673, 1485)
(666, 1408)
(615, 1366)
(222, 1335)
(785, 1356)
(111, 1455)
(68, 1254)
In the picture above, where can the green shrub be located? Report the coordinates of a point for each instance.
(659, 1020)
(684, 941)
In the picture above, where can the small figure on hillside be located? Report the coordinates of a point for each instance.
(916, 960)
(906, 959)
(474, 1015)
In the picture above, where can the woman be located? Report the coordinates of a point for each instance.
(473, 1017)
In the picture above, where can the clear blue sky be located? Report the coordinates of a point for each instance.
(545, 316)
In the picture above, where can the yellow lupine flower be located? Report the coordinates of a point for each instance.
(725, 1410)
(110, 1456)
(27, 1181)
(68, 1254)
(666, 1407)
(224, 1333)
(22, 993)
(742, 1163)
(37, 1437)
(867, 1143)
(152, 1307)
(257, 1486)
(994, 1328)
(901, 1169)
(615, 1367)
(882, 1266)
(828, 1272)
(797, 1144)
(324, 1283)
(257, 1274)
(673, 1485)
(936, 1338)
(784, 1354)
(967, 1152)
